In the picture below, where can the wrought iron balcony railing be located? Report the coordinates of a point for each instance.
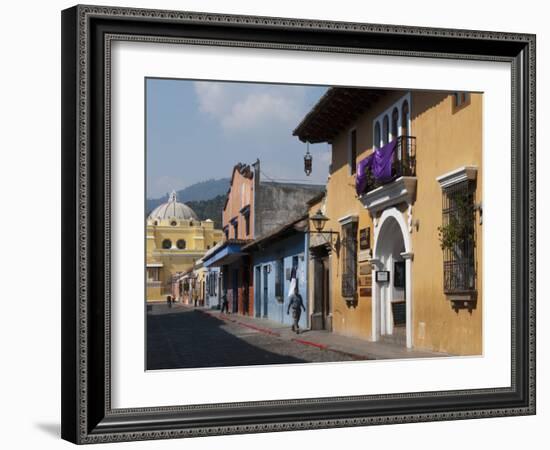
(403, 163)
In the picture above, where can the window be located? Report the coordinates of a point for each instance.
(349, 259)
(226, 232)
(279, 278)
(181, 244)
(235, 224)
(211, 284)
(376, 135)
(405, 119)
(153, 274)
(173, 223)
(352, 151)
(386, 130)
(166, 244)
(294, 271)
(394, 123)
(457, 238)
(460, 99)
(247, 223)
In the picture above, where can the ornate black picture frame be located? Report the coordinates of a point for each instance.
(87, 415)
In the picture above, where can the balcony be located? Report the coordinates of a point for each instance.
(400, 184)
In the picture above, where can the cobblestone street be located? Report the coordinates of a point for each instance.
(186, 337)
(181, 337)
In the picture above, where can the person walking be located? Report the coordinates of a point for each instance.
(296, 304)
(225, 303)
(169, 300)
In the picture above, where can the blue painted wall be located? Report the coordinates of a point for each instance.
(286, 248)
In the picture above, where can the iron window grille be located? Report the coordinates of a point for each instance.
(349, 260)
(457, 237)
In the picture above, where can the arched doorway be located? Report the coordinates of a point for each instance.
(392, 298)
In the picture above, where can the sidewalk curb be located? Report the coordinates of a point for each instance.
(274, 333)
(238, 322)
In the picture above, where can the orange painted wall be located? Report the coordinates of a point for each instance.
(240, 195)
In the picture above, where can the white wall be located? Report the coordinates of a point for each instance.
(30, 171)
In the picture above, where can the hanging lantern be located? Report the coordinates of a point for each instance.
(308, 161)
(319, 220)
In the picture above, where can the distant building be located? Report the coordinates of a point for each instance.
(253, 208)
(405, 194)
(175, 239)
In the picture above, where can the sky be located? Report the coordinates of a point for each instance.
(198, 130)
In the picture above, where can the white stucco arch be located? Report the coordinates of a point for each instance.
(398, 216)
(392, 215)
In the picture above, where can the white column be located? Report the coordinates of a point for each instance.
(388, 288)
(408, 257)
(375, 297)
(375, 301)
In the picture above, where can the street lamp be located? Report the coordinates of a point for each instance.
(319, 220)
(308, 162)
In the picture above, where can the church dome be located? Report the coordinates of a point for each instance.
(173, 209)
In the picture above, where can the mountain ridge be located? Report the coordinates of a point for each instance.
(197, 192)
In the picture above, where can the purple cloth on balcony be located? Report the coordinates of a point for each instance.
(378, 163)
(361, 177)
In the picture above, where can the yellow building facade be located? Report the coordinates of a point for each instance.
(398, 272)
(175, 239)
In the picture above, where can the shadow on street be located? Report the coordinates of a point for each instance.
(191, 339)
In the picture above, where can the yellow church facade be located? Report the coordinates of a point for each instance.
(175, 239)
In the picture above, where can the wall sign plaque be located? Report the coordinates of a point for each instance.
(365, 269)
(365, 292)
(364, 238)
(382, 276)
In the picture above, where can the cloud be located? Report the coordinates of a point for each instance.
(247, 108)
(211, 97)
(259, 109)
